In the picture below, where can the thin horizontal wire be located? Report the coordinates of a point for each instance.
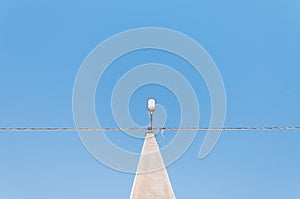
(235, 128)
(68, 129)
(162, 128)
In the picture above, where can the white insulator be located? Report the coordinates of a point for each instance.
(151, 105)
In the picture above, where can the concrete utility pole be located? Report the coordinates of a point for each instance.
(151, 180)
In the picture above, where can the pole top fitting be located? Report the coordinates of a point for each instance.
(151, 109)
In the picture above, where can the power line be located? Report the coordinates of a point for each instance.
(145, 129)
(235, 128)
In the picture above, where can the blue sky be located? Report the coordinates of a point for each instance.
(255, 44)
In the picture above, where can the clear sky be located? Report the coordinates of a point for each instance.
(255, 44)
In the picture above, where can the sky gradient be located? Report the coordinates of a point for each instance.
(255, 44)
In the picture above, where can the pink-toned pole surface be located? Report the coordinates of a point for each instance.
(152, 180)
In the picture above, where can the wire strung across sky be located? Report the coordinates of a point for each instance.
(160, 129)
